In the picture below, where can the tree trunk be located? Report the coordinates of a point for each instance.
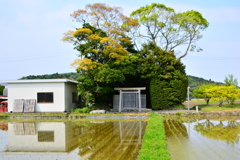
(220, 103)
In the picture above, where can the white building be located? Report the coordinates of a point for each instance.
(42, 95)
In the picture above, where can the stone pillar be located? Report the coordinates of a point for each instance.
(139, 100)
(120, 101)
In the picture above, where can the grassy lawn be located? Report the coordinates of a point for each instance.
(225, 107)
(154, 145)
(213, 105)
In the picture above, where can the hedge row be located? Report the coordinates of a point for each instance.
(168, 93)
(154, 145)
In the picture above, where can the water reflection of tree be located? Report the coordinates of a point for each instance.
(229, 132)
(112, 140)
(175, 128)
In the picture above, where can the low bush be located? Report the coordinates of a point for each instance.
(154, 145)
(82, 110)
(178, 107)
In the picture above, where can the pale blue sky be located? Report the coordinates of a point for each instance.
(31, 30)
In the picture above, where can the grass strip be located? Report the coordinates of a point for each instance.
(225, 107)
(154, 145)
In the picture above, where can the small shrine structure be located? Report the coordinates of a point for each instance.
(129, 99)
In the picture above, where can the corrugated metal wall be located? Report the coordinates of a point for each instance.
(130, 101)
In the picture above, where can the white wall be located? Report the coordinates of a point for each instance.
(69, 88)
(30, 90)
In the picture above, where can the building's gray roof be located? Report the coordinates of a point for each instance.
(40, 81)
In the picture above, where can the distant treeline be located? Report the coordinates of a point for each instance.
(71, 76)
(194, 82)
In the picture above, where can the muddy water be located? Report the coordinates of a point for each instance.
(92, 140)
(203, 139)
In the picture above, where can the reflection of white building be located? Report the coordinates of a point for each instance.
(38, 137)
(54, 140)
(42, 95)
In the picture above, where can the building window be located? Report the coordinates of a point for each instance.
(45, 97)
(74, 97)
(45, 136)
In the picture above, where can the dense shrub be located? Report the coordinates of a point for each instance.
(166, 93)
(166, 73)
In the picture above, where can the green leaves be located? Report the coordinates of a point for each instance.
(156, 62)
(168, 29)
(109, 75)
(221, 93)
(230, 80)
(108, 57)
(168, 80)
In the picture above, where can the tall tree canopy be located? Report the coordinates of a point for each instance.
(104, 50)
(111, 20)
(107, 56)
(200, 92)
(169, 29)
(230, 80)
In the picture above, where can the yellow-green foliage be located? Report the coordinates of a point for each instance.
(85, 64)
(220, 93)
(82, 31)
(229, 133)
(154, 145)
(200, 92)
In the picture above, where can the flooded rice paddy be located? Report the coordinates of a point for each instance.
(203, 139)
(187, 139)
(91, 140)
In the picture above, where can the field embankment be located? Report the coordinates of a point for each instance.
(154, 145)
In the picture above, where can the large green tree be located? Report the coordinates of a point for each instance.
(104, 50)
(107, 57)
(166, 75)
(169, 29)
(221, 93)
(103, 62)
